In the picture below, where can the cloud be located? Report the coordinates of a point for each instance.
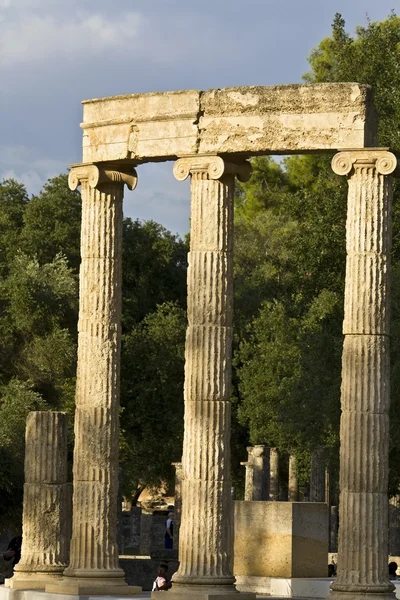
(33, 38)
(159, 197)
(28, 166)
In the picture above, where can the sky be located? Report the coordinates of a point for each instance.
(56, 53)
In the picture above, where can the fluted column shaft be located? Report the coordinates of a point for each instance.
(206, 544)
(94, 551)
(177, 501)
(257, 477)
(317, 478)
(46, 514)
(293, 484)
(364, 430)
(273, 474)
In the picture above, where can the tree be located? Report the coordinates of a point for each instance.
(152, 397)
(13, 201)
(39, 259)
(343, 58)
(52, 222)
(315, 203)
(40, 310)
(17, 399)
(154, 270)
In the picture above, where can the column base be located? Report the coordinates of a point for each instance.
(204, 592)
(77, 586)
(32, 581)
(374, 593)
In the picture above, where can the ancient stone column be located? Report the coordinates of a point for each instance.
(206, 541)
(394, 526)
(257, 473)
(248, 481)
(293, 484)
(273, 474)
(46, 521)
(177, 501)
(333, 528)
(364, 429)
(317, 478)
(93, 567)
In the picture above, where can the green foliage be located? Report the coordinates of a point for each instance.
(152, 397)
(154, 270)
(38, 314)
(262, 261)
(260, 192)
(288, 364)
(13, 200)
(52, 223)
(289, 376)
(343, 58)
(16, 400)
(39, 259)
(40, 297)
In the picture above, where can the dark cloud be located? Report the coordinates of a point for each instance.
(55, 54)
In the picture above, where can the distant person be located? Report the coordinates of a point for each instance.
(169, 532)
(161, 582)
(331, 570)
(13, 551)
(392, 570)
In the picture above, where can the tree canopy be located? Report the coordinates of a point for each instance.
(289, 268)
(39, 263)
(290, 305)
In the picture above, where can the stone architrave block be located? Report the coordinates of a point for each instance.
(247, 121)
(280, 539)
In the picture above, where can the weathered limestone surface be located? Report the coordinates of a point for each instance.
(177, 501)
(47, 502)
(93, 567)
(363, 530)
(317, 479)
(281, 539)
(206, 542)
(273, 474)
(257, 473)
(394, 525)
(333, 528)
(241, 120)
(146, 519)
(293, 484)
(131, 529)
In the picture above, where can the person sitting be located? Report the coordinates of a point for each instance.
(331, 570)
(161, 582)
(392, 570)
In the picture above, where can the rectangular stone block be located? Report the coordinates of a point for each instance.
(150, 125)
(281, 539)
(286, 118)
(241, 120)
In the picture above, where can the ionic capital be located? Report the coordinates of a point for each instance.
(344, 163)
(95, 174)
(211, 167)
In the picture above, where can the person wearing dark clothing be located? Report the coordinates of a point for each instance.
(392, 570)
(13, 551)
(169, 532)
